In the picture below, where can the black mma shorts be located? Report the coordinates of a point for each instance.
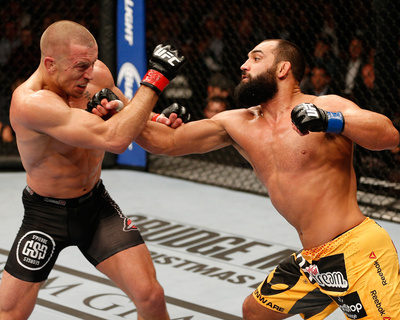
(93, 222)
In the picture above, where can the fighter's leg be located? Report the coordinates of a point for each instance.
(133, 271)
(17, 297)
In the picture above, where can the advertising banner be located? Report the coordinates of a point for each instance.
(131, 63)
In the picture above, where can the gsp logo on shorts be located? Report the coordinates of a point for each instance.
(35, 250)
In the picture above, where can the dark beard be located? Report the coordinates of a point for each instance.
(256, 90)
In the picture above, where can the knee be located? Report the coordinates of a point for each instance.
(154, 293)
(14, 311)
(14, 314)
(252, 310)
(151, 300)
(247, 310)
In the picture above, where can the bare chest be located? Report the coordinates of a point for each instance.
(280, 150)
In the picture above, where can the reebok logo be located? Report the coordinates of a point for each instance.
(372, 255)
(380, 273)
(378, 304)
(55, 201)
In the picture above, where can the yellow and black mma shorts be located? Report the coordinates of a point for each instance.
(357, 272)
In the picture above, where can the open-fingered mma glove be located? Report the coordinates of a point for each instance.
(181, 111)
(164, 65)
(309, 118)
(104, 94)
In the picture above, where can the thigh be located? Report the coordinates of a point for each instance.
(17, 297)
(286, 290)
(131, 269)
(113, 233)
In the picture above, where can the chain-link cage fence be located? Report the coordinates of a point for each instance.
(351, 47)
(21, 25)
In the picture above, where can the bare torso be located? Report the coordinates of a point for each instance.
(56, 169)
(309, 178)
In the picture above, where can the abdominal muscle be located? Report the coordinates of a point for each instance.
(310, 181)
(312, 203)
(62, 172)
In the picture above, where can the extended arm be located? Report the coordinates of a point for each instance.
(194, 137)
(46, 112)
(172, 116)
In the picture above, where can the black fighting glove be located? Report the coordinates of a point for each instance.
(103, 94)
(164, 65)
(308, 118)
(174, 108)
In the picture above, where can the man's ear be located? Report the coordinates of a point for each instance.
(49, 64)
(283, 69)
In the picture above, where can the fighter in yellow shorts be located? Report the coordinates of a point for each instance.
(301, 149)
(314, 282)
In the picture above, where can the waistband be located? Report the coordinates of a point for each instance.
(72, 202)
(327, 248)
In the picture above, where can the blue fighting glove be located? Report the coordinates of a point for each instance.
(309, 118)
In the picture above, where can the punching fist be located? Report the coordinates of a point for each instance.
(104, 94)
(309, 118)
(164, 65)
(174, 108)
(164, 117)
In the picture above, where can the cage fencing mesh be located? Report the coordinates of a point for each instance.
(216, 36)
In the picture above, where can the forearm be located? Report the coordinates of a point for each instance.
(156, 138)
(126, 125)
(194, 137)
(371, 130)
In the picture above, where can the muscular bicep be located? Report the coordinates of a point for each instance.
(46, 113)
(81, 129)
(369, 129)
(194, 137)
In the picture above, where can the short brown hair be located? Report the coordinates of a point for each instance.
(59, 35)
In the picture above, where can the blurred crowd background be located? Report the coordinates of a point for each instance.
(352, 49)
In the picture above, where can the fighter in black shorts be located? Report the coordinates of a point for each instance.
(93, 222)
(62, 148)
